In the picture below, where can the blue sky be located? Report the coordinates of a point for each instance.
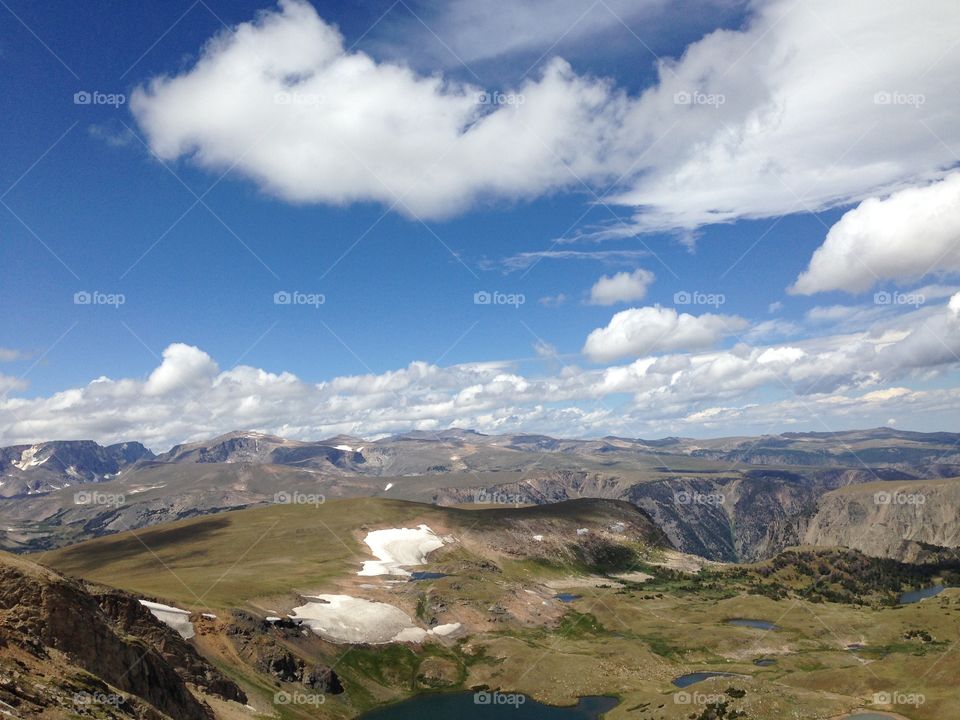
(160, 200)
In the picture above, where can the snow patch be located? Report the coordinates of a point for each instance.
(396, 547)
(172, 617)
(28, 458)
(346, 619)
(444, 630)
(144, 488)
(411, 634)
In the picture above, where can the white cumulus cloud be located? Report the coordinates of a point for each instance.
(621, 287)
(183, 368)
(812, 104)
(281, 100)
(641, 331)
(904, 237)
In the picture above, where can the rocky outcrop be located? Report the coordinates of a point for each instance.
(70, 634)
(262, 645)
(131, 618)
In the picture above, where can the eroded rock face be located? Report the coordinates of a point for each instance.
(129, 617)
(896, 520)
(756, 513)
(69, 633)
(263, 646)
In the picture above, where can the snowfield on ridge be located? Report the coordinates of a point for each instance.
(396, 547)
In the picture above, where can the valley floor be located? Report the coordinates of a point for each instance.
(627, 625)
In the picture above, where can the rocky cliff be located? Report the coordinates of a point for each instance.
(64, 649)
(888, 519)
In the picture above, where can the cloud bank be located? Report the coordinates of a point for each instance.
(856, 378)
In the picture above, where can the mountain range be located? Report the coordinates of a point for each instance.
(727, 499)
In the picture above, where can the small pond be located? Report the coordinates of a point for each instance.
(423, 575)
(922, 594)
(757, 624)
(695, 677)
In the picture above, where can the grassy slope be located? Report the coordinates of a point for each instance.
(225, 560)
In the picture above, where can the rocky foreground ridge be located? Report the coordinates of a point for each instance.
(67, 648)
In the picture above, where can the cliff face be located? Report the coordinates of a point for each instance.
(129, 617)
(757, 514)
(888, 519)
(55, 635)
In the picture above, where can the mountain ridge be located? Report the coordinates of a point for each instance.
(728, 498)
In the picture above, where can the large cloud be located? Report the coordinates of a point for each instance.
(912, 233)
(796, 111)
(283, 101)
(642, 331)
(813, 104)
